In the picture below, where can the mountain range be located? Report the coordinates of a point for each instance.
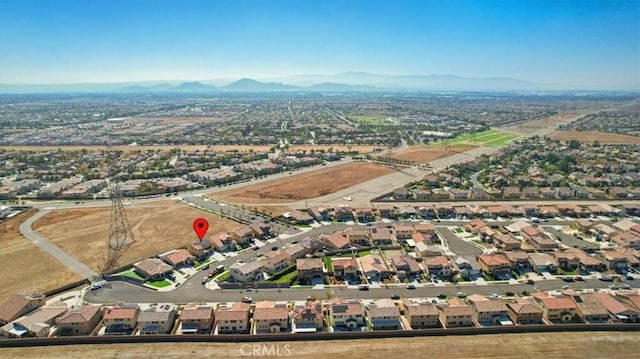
(343, 82)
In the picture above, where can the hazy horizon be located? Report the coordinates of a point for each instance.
(566, 43)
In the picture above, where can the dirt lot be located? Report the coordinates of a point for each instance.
(38, 270)
(424, 154)
(590, 136)
(539, 345)
(221, 148)
(307, 185)
(157, 227)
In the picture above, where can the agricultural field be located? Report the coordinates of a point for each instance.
(156, 227)
(529, 345)
(489, 138)
(304, 186)
(591, 136)
(24, 267)
(425, 154)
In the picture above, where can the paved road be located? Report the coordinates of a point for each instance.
(570, 240)
(457, 245)
(195, 292)
(40, 241)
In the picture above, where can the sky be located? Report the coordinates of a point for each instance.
(581, 42)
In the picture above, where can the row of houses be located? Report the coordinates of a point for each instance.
(28, 316)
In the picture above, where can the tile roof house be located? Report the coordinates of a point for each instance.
(222, 242)
(373, 266)
(242, 235)
(383, 314)
(196, 319)
(334, 241)
(308, 318)
(405, 265)
(424, 250)
(346, 314)
(200, 248)
(357, 236)
(489, 312)
(19, 305)
(120, 319)
(438, 265)
(421, 316)
(233, 320)
(590, 308)
(152, 268)
(380, 236)
(557, 308)
(543, 262)
(309, 269)
(276, 261)
(79, 321)
(524, 312)
(456, 314)
(157, 319)
(467, 266)
(269, 317)
(37, 323)
(247, 272)
(494, 264)
(344, 267)
(178, 258)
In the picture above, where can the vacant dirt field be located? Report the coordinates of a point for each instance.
(170, 120)
(24, 268)
(307, 185)
(220, 148)
(424, 154)
(539, 345)
(157, 227)
(590, 136)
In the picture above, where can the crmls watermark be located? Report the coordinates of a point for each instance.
(263, 350)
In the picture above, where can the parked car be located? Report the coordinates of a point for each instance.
(95, 286)
(579, 278)
(624, 286)
(442, 296)
(247, 300)
(567, 278)
(531, 281)
(395, 296)
(205, 280)
(411, 286)
(606, 278)
(461, 295)
(205, 267)
(509, 294)
(363, 287)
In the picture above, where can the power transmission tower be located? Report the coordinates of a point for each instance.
(120, 235)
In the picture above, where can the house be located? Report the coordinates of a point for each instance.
(260, 230)
(308, 318)
(523, 312)
(590, 309)
(401, 193)
(387, 211)
(602, 231)
(456, 314)
(614, 259)
(343, 214)
(200, 249)
(295, 252)
(298, 217)
(320, 214)
(246, 272)
(196, 319)
(374, 267)
(519, 260)
(618, 309)
(428, 229)
(424, 250)
(467, 267)
(474, 226)
(152, 269)
(458, 194)
(222, 242)
(311, 245)
(380, 236)
(556, 308)
(537, 239)
(79, 321)
(334, 241)
(243, 235)
(120, 319)
(542, 262)
(405, 265)
(383, 314)
(275, 261)
(309, 269)
(364, 215)
(507, 242)
(19, 305)
(630, 298)
(626, 239)
(37, 323)
(489, 312)
(344, 267)
(587, 262)
(567, 260)
(346, 314)
(178, 258)
(357, 236)
(438, 266)
(233, 320)
(421, 316)
(496, 265)
(158, 319)
(402, 232)
(269, 317)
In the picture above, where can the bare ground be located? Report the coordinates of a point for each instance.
(518, 346)
(590, 136)
(425, 154)
(304, 186)
(25, 268)
(156, 227)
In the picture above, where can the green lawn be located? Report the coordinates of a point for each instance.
(327, 263)
(458, 230)
(131, 274)
(364, 253)
(286, 278)
(369, 119)
(489, 138)
(159, 283)
(224, 276)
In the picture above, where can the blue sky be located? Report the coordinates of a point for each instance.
(585, 42)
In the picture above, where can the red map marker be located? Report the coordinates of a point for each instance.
(200, 226)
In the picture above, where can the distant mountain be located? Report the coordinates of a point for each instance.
(194, 87)
(250, 85)
(338, 87)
